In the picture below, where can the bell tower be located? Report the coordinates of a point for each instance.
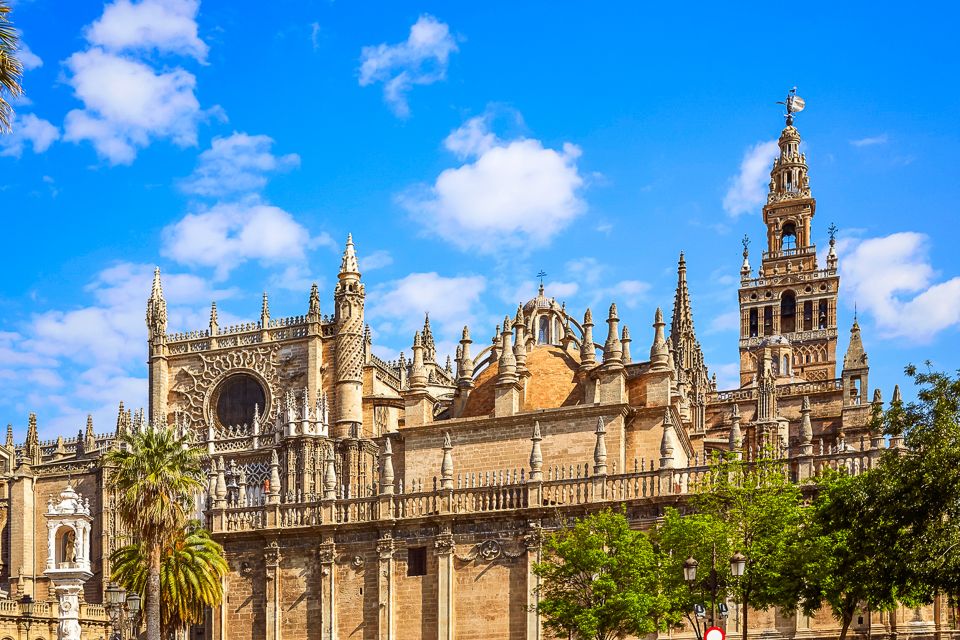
(792, 296)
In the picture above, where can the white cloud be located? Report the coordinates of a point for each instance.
(38, 132)
(747, 189)
(870, 141)
(315, 35)
(375, 260)
(28, 58)
(238, 163)
(514, 194)
(891, 278)
(228, 234)
(724, 323)
(421, 59)
(167, 26)
(127, 104)
(74, 361)
(452, 301)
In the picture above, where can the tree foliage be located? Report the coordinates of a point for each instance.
(154, 474)
(760, 510)
(11, 69)
(192, 567)
(599, 580)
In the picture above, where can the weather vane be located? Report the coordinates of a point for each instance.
(832, 232)
(541, 274)
(794, 104)
(746, 244)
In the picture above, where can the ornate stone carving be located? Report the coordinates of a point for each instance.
(444, 544)
(271, 554)
(326, 553)
(195, 384)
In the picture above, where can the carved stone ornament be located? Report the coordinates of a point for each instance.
(356, 562)
(385, 547)
(326, 553)
(271, 554)
(444, 544)
(489, 551)
(195, 384)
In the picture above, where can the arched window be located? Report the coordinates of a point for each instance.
(788, 312)
(543, 336)
(788, 239)
(786, 366)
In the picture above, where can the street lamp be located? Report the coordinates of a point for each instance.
(690, 569)
(115, 595)
(133, 607)
(26, 611)
(738, 565)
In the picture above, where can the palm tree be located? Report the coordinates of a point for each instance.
(192, 568)
(11, 70)
(154, 474)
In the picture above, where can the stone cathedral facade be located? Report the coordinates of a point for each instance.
(359, 498)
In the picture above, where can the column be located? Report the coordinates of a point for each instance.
(532, 541)
(444, 547)
(385, 586)
(271, 557)
(328, 593)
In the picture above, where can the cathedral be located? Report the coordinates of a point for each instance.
(359, 498)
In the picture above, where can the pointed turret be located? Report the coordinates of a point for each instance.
(536, 456)
(668, 441)
(625, 342)
(681, 326)
(659, 350)
(214, 324)
(600, 449)
(273, 494)
(446, 465)
(736, 434)
(9, 443)
(418, 372)
(349, 296)
(429, 346)
(520, 344)
(265, 312)
(508, 361)
(330, 476)
(89, 437)
(157, 310)
(613, 348)
(588, 352)
(806, 428)
(313, 308)
(386, 471)
(465, 364)
(855, 369)
(856, 357)
(349, 264)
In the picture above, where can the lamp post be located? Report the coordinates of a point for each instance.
(26, 611)
(133, 608)
(738, 565)
(115, 598)
(712, 584)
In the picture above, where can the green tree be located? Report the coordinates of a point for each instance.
(154, 474)
(918, 488)
(599, 580)
(844, 558)
(11, 69)
(707, 540)
(192, 567)
(760, 508)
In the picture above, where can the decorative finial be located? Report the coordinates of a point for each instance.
(794, 104)
(832, 232)
(746, 245)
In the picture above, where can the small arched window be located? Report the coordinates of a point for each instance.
(786, 365)
(543, 336)
(788, 239)
(788, 312)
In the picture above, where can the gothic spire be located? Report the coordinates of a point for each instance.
(265, 312)
(588, 353)
(681, 326)
(613, 348)
(418, 372)
(536, 456)
(157, 309)
(349, 265)
(508, 361)
(856, 357)
(214, 325)
(429, 346)
(313, 310)
(659, 350)
(625, 343)
(520, 343)
(465, 363)
(667, 441)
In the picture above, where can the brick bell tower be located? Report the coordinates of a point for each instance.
(791, 297)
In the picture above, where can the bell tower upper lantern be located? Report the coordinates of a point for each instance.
(791, 295)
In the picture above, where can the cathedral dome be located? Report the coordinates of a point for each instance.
(540, 302)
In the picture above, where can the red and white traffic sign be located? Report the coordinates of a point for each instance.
(714, 633)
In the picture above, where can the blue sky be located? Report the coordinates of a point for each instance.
(466, 147)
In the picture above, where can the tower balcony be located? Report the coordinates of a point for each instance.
(791, 253)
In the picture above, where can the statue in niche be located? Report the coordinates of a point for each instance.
(70, 546)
